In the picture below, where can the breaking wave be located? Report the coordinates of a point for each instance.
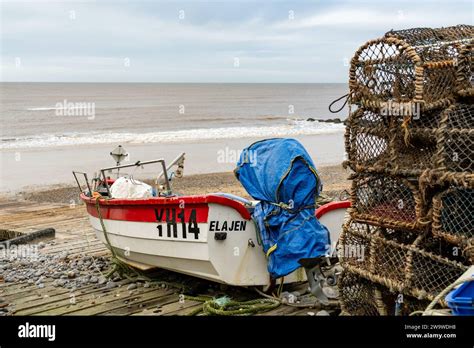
(179, 136)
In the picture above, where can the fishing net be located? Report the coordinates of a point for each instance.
(414, 66)
(420, 265)
(359, 296)
(387, 201)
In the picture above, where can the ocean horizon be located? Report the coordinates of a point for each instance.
(39, 115)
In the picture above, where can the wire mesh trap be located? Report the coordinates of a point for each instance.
(455, 139)
(367, 140)
(387, 201)
(416, 66)
(417, 265)
(411, 144)
(359, 296)
(465, 71)
(453, 215)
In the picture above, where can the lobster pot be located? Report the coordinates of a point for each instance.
(465, 73)
(455, 151)
(399, 144)
(453, 215)
(367, 140)
(414, 143)
(387, 201)
(418, 266)
(359, 296)
(415, 66)
(412, 152)
(442, 140)
(364, 250)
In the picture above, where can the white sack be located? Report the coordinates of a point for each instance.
(130, 188)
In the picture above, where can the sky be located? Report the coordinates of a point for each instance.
(202, 41)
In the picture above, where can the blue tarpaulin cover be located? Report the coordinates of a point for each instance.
(281, 175)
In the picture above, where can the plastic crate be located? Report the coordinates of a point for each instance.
(461, 300)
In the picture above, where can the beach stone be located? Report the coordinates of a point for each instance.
(132, 286)
(71, 274)
(146, 285)
(102, 280)
(30, 281)
(310, 314)
(322, 313)
(331, 292)
(62, 282)
(111, 285)
(41, 285)
(41, 245)
(93, 280)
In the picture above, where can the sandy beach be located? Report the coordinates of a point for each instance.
(334, 181)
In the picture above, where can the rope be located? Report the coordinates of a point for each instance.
(335, 101)
(224, 306)
(441, 295)
(120, 267)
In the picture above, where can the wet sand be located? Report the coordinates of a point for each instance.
(29, 169)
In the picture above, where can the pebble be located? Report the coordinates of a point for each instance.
(111, 285)
(146, 285)
(310, 313)
(322, 313)
(132, 286)
(69, 273)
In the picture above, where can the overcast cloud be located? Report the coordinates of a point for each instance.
(201, 41)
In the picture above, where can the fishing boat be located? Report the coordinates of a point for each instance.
(209, 236)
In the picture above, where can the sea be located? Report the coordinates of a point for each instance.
(67, 114)
(38, 120)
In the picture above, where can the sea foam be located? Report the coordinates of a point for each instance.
(178, 136)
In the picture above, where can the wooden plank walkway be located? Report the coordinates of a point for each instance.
(74, 235)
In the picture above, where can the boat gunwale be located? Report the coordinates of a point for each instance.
(195, 199)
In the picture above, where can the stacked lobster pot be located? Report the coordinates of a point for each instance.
(410, 145)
